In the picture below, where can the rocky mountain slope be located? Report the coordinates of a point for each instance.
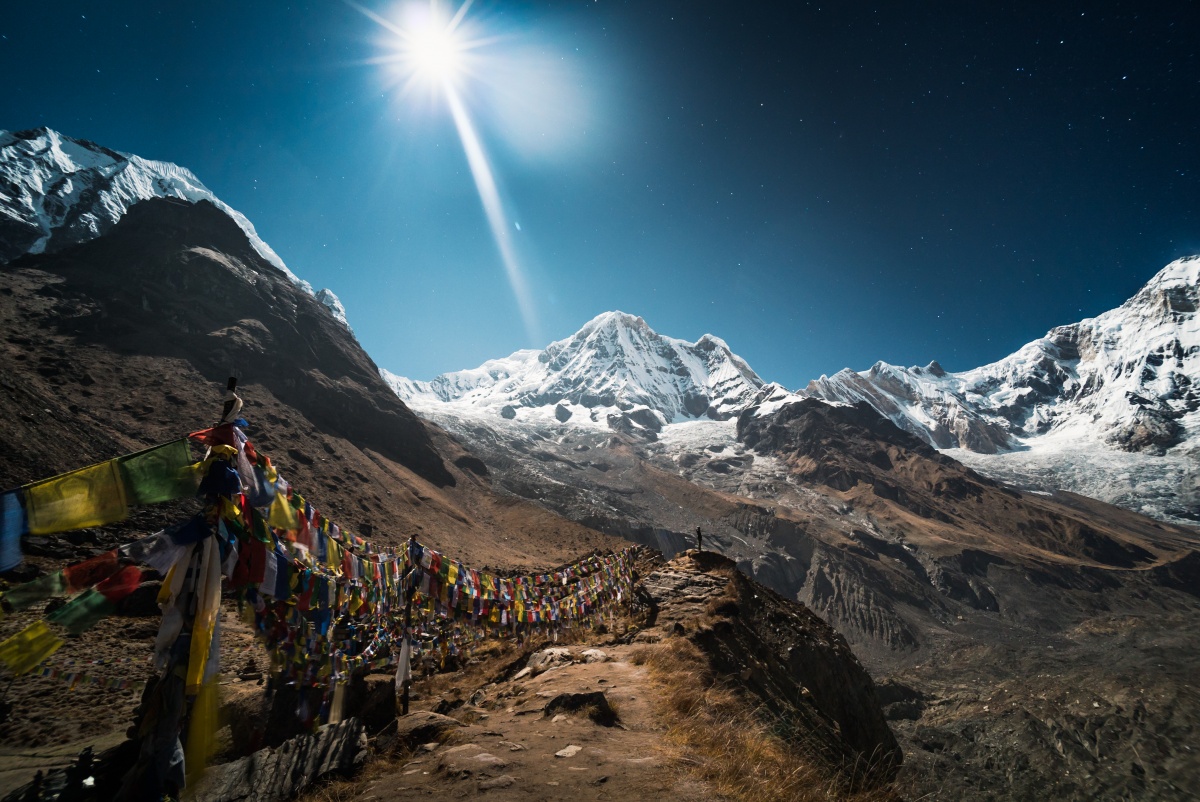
(124, 339)
(935, 574)
(588, 719)
(56, 191)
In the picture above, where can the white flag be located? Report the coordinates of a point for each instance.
(404, 665)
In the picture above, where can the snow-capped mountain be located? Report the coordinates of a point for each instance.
(56, 191)
(1108, 407)
(1129, 378)
(615, 367)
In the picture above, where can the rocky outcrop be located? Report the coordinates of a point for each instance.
(781, 654)
(277, 774)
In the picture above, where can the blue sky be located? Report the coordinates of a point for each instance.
(820, 185)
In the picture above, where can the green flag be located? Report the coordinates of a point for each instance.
(159, 474)
(80, 613)
(40, 589)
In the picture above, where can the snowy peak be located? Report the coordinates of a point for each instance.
(614, 361)
(1129, 379)
(1174, 291)
(56, 191)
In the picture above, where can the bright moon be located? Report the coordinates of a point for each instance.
(435, 53)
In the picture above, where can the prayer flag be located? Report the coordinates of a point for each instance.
(91, 496)
(82, 612)
(281, 515)
(404, 664)
(12, 526)
(158, 551)
(29, 647)
(87, 573)
(159, 474)
(42, 588)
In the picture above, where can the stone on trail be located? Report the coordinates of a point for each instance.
(503, 781)
(547, 659)
(417, 729)
(489, 759)
(569, 751)
(595, 704)
(595, 656)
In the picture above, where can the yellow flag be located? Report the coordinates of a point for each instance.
(282, 516)
(29, 647)
(91, 496)
(202, 729)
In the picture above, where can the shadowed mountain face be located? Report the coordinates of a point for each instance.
(175, 279)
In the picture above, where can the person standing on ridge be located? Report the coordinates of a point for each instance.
(699, 540)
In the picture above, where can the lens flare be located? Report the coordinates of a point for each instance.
(438, 52)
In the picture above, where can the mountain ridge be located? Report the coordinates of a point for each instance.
(1125, 384)
(57, 191)
(614, 364)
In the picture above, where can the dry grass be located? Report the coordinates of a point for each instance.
(715, 735)
(352, 789)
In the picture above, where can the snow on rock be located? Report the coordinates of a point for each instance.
(1128, 379)
(334, 305)
(615, 371)
(1108, 407)
(56, 191)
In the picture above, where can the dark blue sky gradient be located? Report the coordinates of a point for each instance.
(822, 185)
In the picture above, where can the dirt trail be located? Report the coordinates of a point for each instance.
(516, 750)
(522, 744)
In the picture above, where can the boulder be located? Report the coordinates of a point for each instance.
(595, 656)
(417, 729)
(547, 659)
(372, 699)
(594, 704)
(277, 774)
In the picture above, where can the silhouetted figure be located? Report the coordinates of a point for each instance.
(699, 540)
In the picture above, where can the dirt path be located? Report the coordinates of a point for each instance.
(516, 750)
